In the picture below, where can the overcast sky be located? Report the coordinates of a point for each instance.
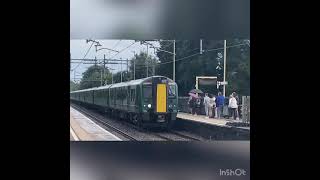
(78, 49)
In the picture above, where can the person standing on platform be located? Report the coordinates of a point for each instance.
(197, 104)
(234, 94)
(214, 98)
(233, 106)
(220, 104)
(229, 108)
(190, 104)
(211, 106)
(206, 104)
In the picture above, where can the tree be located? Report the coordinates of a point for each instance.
(190, 63)
(238, 68)
(125, 77)
(142, 63)
(92, 77)
(74, 86)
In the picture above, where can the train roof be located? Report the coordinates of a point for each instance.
(130, 83)
(103, 87)
(83, 90)
(137, 81)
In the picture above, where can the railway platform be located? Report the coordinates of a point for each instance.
(84, 129)
(209, 121)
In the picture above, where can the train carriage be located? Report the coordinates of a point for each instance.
(101, 96)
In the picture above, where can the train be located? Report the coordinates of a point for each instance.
(147, 102)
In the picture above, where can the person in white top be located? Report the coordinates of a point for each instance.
(237, 98)
(212, 105)
(206, 104)
(233, 105)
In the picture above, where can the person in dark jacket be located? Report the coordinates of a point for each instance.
(197, 104)
(191, 103)
(220, 103)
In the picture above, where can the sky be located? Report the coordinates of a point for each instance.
(78, 49)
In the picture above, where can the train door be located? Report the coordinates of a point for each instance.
(128, 97)
(159, 92)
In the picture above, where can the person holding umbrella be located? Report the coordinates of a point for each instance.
(195, 100)
(198, 104)
(191, 103)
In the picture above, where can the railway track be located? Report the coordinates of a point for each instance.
(174, 136)
(171, 135)
(165, 135)
(185, 136)
(159, 135)
(118, 131)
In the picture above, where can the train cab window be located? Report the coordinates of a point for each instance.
(147, 91)
(172, 91)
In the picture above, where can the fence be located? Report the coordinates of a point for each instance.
(245, 109)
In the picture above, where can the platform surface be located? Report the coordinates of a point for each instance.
(211, 121)
(84, 129)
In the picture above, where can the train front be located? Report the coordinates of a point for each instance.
(160, 101)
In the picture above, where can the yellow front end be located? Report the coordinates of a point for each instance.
(161, 98)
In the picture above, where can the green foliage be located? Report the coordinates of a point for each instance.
(125, 77)
(210, 63)
(238, 68)
(74, 86)
(92, 77)
(140, 61)
(143, 63)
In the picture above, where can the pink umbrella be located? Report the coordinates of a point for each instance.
(193, 95)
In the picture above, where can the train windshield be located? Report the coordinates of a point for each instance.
(172, 91)
(147, 91)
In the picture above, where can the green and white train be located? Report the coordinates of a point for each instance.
(148, 102)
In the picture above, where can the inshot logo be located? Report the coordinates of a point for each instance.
(231, 172)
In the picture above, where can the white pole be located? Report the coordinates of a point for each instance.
(196, 82)
(121, 70)
(224, 66)
(174, 60)
(134, 65)
(147, 62)
(200, 46)
(101, 77)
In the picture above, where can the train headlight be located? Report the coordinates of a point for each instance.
(149, 105)
(170, 106)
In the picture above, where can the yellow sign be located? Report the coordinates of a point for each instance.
(161, 98)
